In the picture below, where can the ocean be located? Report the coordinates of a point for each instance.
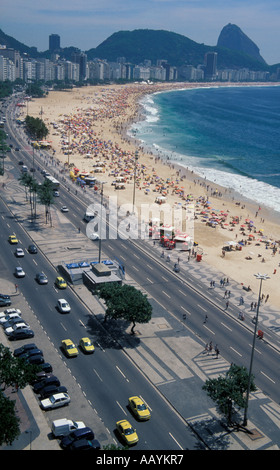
(229, 135)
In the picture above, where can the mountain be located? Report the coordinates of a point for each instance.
(146, 44)
(141, 44)
(9, 41)
(233, 38)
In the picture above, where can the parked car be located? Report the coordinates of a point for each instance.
(16, 327)
(7, 318)
(36, 359)
(41, 278)
(30, 353)
(21, 334)
(63, 426)
(19, 272)
(5, 300)
(44, 383)
(63, 306)
(52, 390)
(55, 401)
(32, 249)
(24, 349)
(85, 444)
(39, 376)
(11, 322)
(77, 435)
(60, 283)
(8, 311)
(19, 253)
(46, 367)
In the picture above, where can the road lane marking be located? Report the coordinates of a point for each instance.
(166, 294)
(267, 377)
(185, 310)
(202, 308)
(239, 354)
(226, 326)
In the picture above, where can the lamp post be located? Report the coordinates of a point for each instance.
(135, 167)
(261, 277)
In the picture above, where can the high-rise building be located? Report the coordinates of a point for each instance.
(80, 58)
(54, 42)
(211, 65)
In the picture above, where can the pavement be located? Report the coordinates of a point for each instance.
(168, 354)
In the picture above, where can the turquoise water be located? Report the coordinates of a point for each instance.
(230, 135)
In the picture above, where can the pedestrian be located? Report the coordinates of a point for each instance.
(205, 319)
(228, 294)
(210, 346)
(252, 305)
(227, 304)
(217, 353)
(267, 297)
(225, 294)
(206, 347)
(16, 287)
(241, 300)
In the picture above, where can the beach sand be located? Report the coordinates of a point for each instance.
(93, 123)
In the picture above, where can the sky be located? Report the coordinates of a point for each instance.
(86, 23)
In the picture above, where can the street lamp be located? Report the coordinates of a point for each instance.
(261, 277)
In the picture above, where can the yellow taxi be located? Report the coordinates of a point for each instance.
(69, 348)
(13, 239)
(60, 283)
(127, 432)
(139, 408)
(86, 345)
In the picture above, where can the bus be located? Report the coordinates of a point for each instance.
(55, 183)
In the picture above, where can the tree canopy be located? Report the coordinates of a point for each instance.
(126, 302)
(229, 391)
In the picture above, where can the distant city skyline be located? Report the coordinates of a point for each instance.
(86, 23)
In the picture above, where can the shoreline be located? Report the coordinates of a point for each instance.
(104, 114)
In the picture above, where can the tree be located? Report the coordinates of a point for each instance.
(13, 372)
(36, 127)
(27, 180)
(45, 193)
(126, 302)
(229, 391)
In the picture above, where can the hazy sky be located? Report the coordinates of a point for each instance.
(86, 23)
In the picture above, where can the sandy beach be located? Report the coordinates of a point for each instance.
(87, 129)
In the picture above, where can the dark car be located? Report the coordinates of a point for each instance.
(24, 349)
(32, 249)
(43, 383)
(21, 334)
(85, 444)
(46, 367)
(51, 390)
(77, 435)
(38, 359)
(5, 300)
(41, 376)
(41, 278)
(30, 353)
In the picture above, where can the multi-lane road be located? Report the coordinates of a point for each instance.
(112, 377)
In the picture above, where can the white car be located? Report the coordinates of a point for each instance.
(12, 316)
(63, 306)
(17, 326)
(19, 272)
(8, 311)
(55, 401)
(64, 209)
(19, 253)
